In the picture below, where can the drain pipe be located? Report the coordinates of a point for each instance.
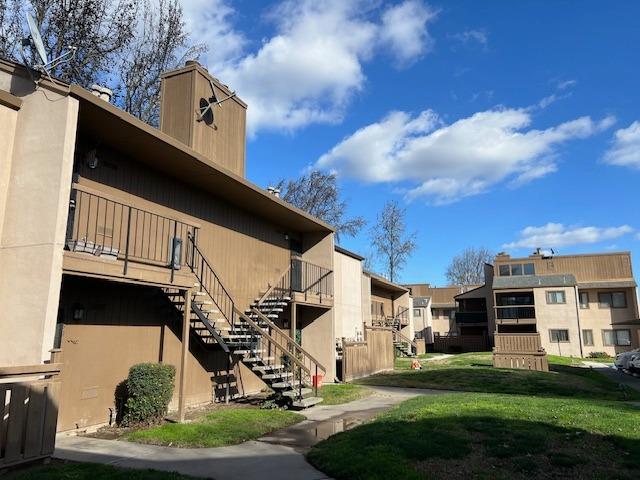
(575, 288)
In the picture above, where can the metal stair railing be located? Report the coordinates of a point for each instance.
(301, 357)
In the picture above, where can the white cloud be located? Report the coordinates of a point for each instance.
(472, 36)
(564, 84)
(403, 29)
(312, 65)
(449, 162)
(625, 150)
(559, 235)
(210, 22)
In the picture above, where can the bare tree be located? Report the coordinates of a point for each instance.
(390, 239)
(468, 267)
(160, 44)
(318, 194)
(122, 44)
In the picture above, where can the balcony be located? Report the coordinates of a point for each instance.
(510, 314)
(305, 283)
(466, 318)
(108, 238)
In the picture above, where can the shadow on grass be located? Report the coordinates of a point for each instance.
(563, 381)
(475, 446)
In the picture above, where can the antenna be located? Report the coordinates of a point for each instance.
(34, 41)
(205, 105)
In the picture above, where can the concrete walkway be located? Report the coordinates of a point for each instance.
(278, 455)
(614, 374)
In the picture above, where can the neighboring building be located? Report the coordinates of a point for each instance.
(578, 303)
(441, 305)
(390, 303)
(350, 297)
(422, 319)
(111, 229)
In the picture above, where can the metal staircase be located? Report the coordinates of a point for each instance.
(251, 337)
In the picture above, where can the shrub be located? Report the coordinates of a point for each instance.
(599, 355)
(149, 388)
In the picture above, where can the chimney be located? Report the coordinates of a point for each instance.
(202, 113)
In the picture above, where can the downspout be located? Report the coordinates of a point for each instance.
(575, 288)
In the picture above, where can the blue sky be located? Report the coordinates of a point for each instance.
(502, 124)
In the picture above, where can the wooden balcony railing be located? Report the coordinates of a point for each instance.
(113, 230)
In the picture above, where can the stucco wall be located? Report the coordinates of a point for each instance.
(557, 316)
(34, 219)
(348, 304)
(598, 319)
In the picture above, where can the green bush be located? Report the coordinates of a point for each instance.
(149, 388)
(599, 355)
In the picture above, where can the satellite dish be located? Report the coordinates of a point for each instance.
(34, 41)
(36, 38)
(205, 112)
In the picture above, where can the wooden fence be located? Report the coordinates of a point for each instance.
(522, 351)
(374, 355)
(460, 343)
(28, 411)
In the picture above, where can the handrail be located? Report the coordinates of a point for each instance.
(298, 347)
(255, 326)
(404, 338)
(272, 287)
(307, 277)
(104, 226)
(210, 281)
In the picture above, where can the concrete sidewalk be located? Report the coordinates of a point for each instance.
(278, 455)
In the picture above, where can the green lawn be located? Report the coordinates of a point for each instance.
(489, 436)
(224, 427)
(343, 393)
(474, 372)
(404, 363)
(90, 471)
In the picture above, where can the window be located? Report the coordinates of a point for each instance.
(529, 269)
(417, 312)
(556, 296)
(616, 337)
(418, 335)
(584, 300)
(587, 338)
(504, 270)
(557, 336)
(516, 269)
(612, 300)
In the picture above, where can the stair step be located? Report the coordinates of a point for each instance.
(267, 368)
(199, 293)
(257, 359)
(296, 392)
(245, 351)
(307, 402)
(273, 376)
(279, 385)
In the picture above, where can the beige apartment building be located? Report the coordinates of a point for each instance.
(579, 304)
(121, 243)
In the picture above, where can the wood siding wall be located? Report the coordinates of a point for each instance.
(374, 355)
(224, 141)
(247, 252)
(124, 325)
(586, 268)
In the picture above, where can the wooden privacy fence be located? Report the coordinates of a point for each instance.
(460, 343)
(28, 411)
(522, 351)
(374, 355)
